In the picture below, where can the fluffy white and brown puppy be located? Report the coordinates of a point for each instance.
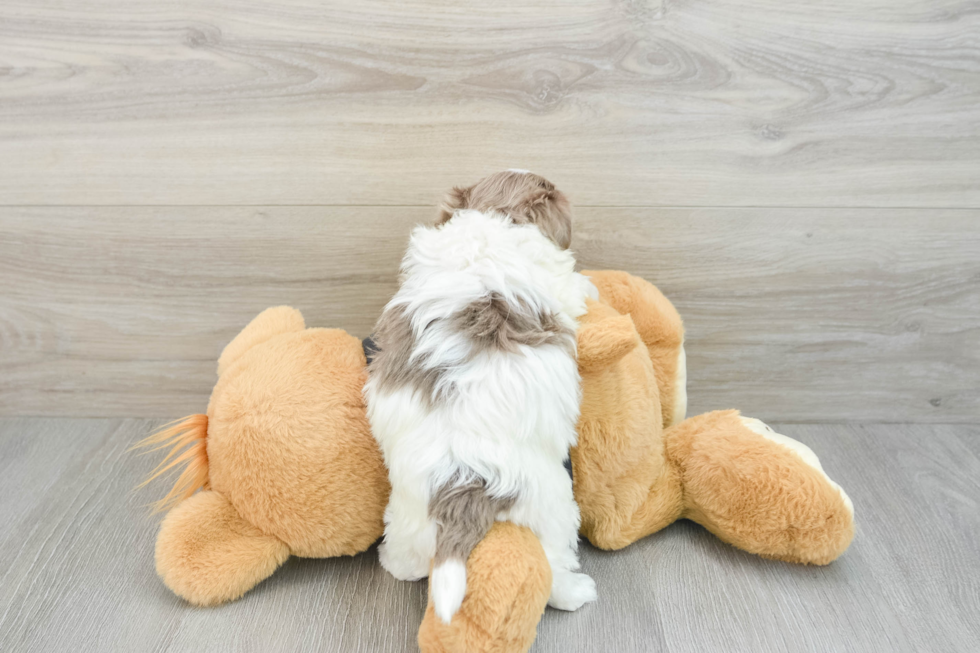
(473, 393)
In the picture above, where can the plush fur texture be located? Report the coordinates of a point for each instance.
(280, 421)
(473, 398)
(464, 511)
(756, 494)
(758, 490)
(509, 579)
(208, 554)
(322, 486)
(623, 485)
(660, 329)
(287, 453)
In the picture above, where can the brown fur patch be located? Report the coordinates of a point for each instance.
(526, 197)
(488, 323)
(464, 512)
(492, 323)
(391, 365)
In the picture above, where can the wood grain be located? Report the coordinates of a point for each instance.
(659, 102)
(800, 178)
(802, 315)
(76, 564)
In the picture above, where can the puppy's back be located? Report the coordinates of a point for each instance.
(476, 373)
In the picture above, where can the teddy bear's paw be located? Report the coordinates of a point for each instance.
(402, 565)
(570, 591)
(804, 452)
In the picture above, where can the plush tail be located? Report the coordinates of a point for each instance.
(187, 439)
(464, 513)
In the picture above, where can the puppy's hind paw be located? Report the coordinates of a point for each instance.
(403, 567)
(570, 591)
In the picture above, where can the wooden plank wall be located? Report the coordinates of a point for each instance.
(802, 179)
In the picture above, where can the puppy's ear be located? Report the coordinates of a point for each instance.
(551, 211)
(456, 199)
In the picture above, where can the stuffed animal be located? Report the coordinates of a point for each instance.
(285, 465)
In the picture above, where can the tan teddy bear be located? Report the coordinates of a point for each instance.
(283, 463)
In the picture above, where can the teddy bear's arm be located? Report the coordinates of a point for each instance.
(602, 343)
(661, 329)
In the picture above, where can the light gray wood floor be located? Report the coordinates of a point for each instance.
(76, 564)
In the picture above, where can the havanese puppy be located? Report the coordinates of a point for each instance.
(473, 391)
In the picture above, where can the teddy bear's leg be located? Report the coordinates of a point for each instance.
(625, 497)
(758, 490)
(508, 581)
(207, 554)
(661, 329)
(801, 450)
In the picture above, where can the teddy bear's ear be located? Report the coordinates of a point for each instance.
(602, 343)
(266, 325)
(456, 199)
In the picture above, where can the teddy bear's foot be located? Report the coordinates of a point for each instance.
(804, 452)
(207, 554)
(508, 581)
(758, 490)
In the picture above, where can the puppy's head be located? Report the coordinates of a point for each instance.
(526, 197)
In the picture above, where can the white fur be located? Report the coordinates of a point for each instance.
(510, 418)
(572, 591)
(448, 588)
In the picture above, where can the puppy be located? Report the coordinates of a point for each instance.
(473, 394)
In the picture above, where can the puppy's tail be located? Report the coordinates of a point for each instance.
(464, 512)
